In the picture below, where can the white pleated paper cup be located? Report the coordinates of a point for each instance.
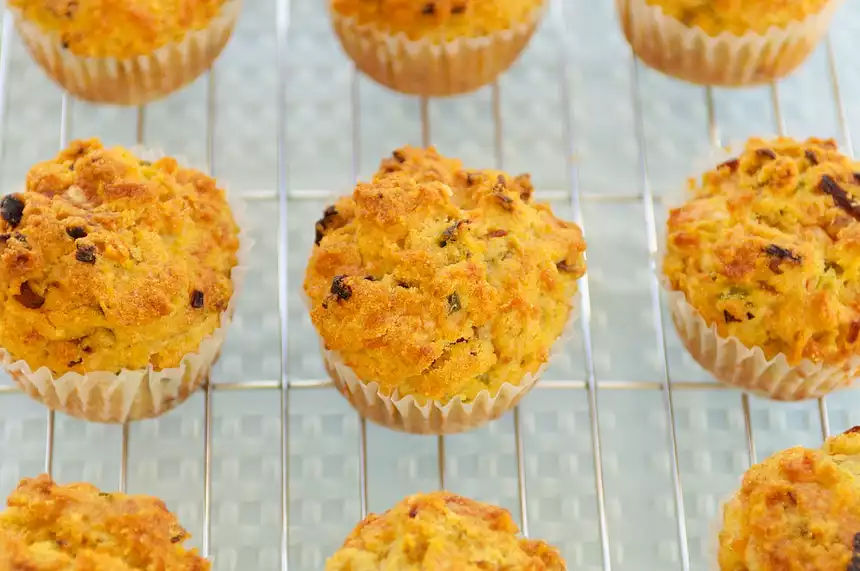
(136, 394)
(406, 414)
(428, 68)
(687, 52)
(135, 80)
(733, 363)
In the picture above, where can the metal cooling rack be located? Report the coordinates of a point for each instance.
(622, 454)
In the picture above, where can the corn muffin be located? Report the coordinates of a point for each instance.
(439, 284)
(434, 47)
(764, 269)
(725, 42)
(799, 510)
(442, 531)
(129, 52)
(48, 527)
(112, 264)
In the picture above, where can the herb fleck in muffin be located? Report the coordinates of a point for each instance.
(436, 47)
(799, 510)
(127, 52)
(764, 252)
(108, 264)
(442, 531)
(725, 42)
(50, 527)
(440, 283)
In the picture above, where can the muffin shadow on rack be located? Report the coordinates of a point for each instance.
(439, 291)
(118, 278)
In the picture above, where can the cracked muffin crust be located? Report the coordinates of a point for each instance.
(48, 527)
(739, 16)
(441, 282)
(109, 262)
(765, 249)
(109, 28)
(428, 532)
(799, 510)
(443, 19)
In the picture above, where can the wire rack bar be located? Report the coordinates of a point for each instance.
(283, 27)
(657, 308)
(575, 197)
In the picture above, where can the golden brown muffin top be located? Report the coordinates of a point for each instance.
(119, 28)
(109, 262)
(438, 282)
(429, 532)
(766, 249)
(439, 19)
(48, 527)
(739, 16)
(799, 510)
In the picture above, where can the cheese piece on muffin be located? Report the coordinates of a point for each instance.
(440, 282)
(766, 250)
(442, 531)
(799, 510)
(48, 527)
(110, 262)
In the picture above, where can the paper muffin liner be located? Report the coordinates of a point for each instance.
(136, 80)
(429, 68)
(406, 414)
(727, 358)
(135, 394)
(688, 53)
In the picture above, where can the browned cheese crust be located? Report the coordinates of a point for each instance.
(438, 282)
(799, 510)
(111, 262)
(442, 531)
(48, 527)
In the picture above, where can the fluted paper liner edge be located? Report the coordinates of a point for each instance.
(726, 59)
(405, 414)
(135, 80)
(426, 67)
(104, 396)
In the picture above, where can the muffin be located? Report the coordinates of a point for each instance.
(117, 276)
(442, 531)
(799, 510)
(439, 291)
(763, 269)
(48, 527)
(725, 42)
(434, 47)
(127, 52)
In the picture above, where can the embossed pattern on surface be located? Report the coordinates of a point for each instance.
(580, 135)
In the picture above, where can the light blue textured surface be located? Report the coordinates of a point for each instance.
(328, 111)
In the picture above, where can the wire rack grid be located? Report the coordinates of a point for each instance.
(623, 453)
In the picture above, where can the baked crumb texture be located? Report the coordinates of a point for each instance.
(799, 510)
(439, 19)
(739, 16)
(441, 282)
(48, 527)
(429, 532)
(766, 249)
(119, 29)
(110, 262)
